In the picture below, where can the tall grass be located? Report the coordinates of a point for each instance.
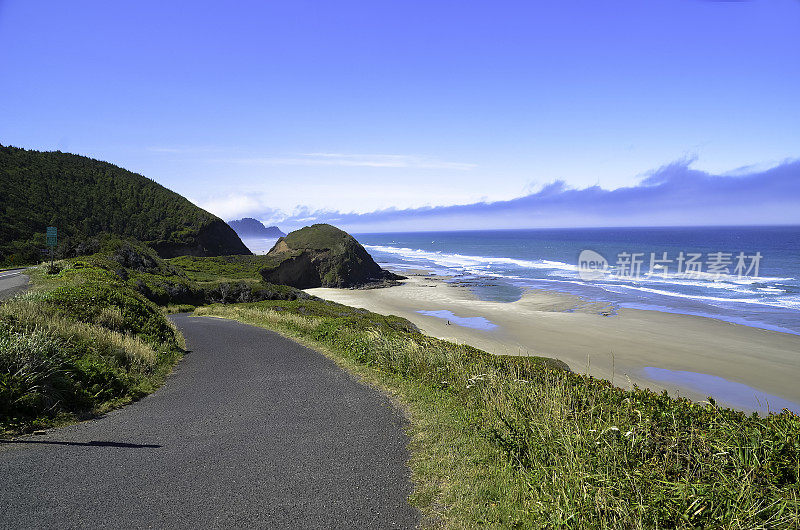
(544, 447)
(605, 457)
(31, 363)
(74, 347)
(34, 319)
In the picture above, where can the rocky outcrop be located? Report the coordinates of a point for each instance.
(249, 227)
(214, 239)
(323, 256)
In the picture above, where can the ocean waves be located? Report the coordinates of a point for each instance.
(715, 289)
(465, 261)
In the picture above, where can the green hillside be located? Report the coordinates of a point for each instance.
(83, 197)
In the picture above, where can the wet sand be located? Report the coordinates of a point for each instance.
(617, 347)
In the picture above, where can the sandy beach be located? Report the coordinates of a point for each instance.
(629, 346)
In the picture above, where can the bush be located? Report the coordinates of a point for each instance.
(82, 343)
(167, 291)
(115, 307)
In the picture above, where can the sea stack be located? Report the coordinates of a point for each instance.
(322, 255)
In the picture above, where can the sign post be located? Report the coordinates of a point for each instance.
(52, 241)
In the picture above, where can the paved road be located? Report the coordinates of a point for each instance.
(252, 430)
(11, 282)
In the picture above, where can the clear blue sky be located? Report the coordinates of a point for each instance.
(260, 108)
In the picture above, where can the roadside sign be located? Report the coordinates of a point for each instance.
(52, 236)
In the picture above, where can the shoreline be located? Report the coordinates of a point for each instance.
(583, 333)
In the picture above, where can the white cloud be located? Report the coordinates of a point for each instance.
(673, 195)
(233, 206)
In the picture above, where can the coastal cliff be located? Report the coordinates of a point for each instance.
(215, 238)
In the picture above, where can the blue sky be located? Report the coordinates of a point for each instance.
(298, 111)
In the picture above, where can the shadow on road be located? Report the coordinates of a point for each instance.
(84, 444)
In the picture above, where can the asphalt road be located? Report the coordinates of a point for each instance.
(251, 431)
(11, 282)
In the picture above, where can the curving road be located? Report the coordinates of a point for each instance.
(12, 281)
(251, 431)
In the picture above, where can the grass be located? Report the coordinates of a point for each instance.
(522, 443)
(79, 344)
(495, 441)
(317, 237)
(221, 268)
(92, 334)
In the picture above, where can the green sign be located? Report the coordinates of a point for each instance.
(52, 236)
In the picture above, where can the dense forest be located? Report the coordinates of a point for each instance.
(83, 197)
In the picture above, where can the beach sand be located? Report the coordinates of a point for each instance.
(578, 332)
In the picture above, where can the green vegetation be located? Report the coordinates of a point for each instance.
(83, 197)
(519, 442)
(82, 342)
(317, 237)
(225, 279)
(207, 269)
(496, 441)
(321, 255)
(91, 336)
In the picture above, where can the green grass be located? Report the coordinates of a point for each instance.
(496, 441)
(92, 334)
(522, 443)
(80, 343)
(182, 281)
(317, 237)
(220, 268)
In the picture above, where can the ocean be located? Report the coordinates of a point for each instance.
(746, 275)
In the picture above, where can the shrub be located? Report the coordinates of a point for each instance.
(80, 343)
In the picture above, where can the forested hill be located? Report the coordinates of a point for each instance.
(84, 197)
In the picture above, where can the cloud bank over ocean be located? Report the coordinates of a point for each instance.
(672, 195)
